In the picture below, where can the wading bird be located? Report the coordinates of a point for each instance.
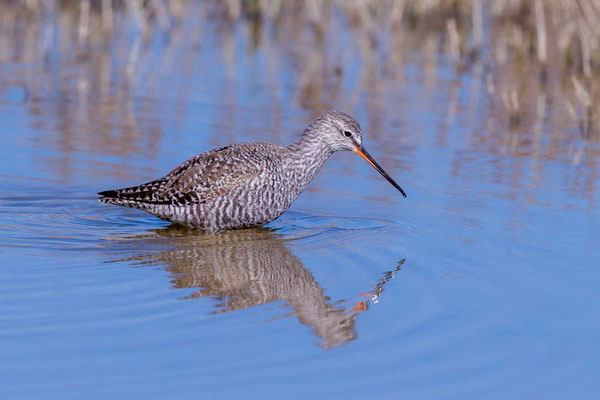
(245, 184)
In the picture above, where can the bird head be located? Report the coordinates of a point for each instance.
(340, 132)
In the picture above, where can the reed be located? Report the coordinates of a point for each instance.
(523, 51)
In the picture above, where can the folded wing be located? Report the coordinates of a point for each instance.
(202, 177)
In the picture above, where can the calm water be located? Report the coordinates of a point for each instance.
(483, 283)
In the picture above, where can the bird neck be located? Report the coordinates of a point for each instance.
(308, 154)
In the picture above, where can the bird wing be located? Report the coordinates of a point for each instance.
(202, 177)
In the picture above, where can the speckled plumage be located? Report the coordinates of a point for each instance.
(244, 184)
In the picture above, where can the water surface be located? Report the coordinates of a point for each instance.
(483, 283)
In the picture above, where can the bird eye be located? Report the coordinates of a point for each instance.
(347, 133)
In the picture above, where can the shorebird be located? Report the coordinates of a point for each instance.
(245, 185)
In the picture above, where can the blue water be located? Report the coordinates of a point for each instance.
(483, 283)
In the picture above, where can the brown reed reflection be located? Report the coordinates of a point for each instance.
(97, 71)
(248, 268)
(527, 46)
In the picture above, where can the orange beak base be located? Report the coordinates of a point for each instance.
(364, 154)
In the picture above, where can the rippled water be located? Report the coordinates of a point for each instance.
(483, 283)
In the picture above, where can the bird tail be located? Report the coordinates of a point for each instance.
(112, 197)
(132, 196)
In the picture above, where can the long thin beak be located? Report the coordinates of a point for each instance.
(364, 154)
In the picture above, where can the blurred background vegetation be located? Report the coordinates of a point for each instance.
(538, 61)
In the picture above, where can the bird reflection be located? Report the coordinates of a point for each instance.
(247, 268)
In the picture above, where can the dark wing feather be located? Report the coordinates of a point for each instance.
(203, 177)
(143, 192)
